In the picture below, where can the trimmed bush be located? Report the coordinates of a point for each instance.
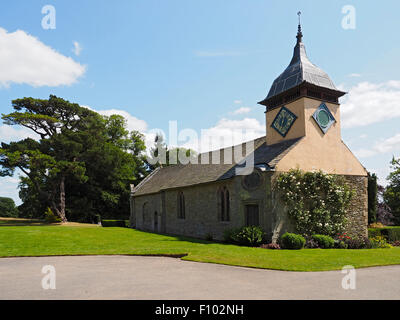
(324, 242)
(292, 241)
(113, 223)
(390, 233)
(246, 236)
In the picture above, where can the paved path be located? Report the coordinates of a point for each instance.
(129, 277)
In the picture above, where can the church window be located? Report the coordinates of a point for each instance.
(181, 206)
(223, 204)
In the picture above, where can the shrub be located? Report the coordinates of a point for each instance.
(390, 233)
(228, 234)
(374, 232)
(379, 242)
(271, 246)
(317, 202)
(358, 243)
(393, 233)
(324, 242)
(245, 236)
(292, 241)
(396, 243)
(339, 244)
(50, 217)
(113, 223)
(311, 243)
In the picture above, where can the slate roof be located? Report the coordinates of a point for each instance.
(300, 70)
(180, 175)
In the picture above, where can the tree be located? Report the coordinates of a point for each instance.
(162, 155)
(8, 208)
(49, 161)
(90, 158)
(372, 197)
(383, 214)
(392, 192)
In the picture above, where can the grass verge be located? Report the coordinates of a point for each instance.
(48, 240)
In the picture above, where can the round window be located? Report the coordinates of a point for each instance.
(253, 180)
(323, 118)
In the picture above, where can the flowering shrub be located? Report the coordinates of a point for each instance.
(379, 242)
(358, 243)
(316, 202)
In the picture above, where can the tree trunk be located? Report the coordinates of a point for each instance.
(62, 200)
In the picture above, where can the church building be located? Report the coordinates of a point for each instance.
(303, 130)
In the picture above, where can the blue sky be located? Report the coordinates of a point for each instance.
(203, 63)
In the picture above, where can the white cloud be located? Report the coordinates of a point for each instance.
(369, 103)
(226, 133)
(242, 110)
(26, 60)
(237, 101)
(9, 188)
(382, 146)
(354, 75)
(14, 133)
(77, 48)
(133, 123)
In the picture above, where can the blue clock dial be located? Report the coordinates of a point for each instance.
(283, 121)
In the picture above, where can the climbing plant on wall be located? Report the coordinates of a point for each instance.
(316, 202)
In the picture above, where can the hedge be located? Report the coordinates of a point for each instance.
(115, 223)
(390, 233)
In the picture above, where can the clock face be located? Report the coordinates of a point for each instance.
(283, 121)
(324, 118)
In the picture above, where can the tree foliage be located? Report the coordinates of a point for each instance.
(316, 202)
(8, 208)
(82, 164)
(392, 192)
(372, 197)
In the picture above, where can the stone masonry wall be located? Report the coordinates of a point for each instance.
(358, 211)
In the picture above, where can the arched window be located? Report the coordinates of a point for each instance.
(181, 205)
(223, 204)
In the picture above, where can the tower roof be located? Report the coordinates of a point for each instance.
(300, 71)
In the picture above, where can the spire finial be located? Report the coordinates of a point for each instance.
(299, 33)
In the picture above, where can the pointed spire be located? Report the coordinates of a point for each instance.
(299, 33)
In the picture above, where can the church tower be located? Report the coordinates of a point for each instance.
(303, 102)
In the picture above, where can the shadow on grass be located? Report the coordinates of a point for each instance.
(15, 222)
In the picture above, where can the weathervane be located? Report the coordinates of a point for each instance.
(299, 33)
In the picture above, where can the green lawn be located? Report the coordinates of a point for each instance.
(77, 239)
